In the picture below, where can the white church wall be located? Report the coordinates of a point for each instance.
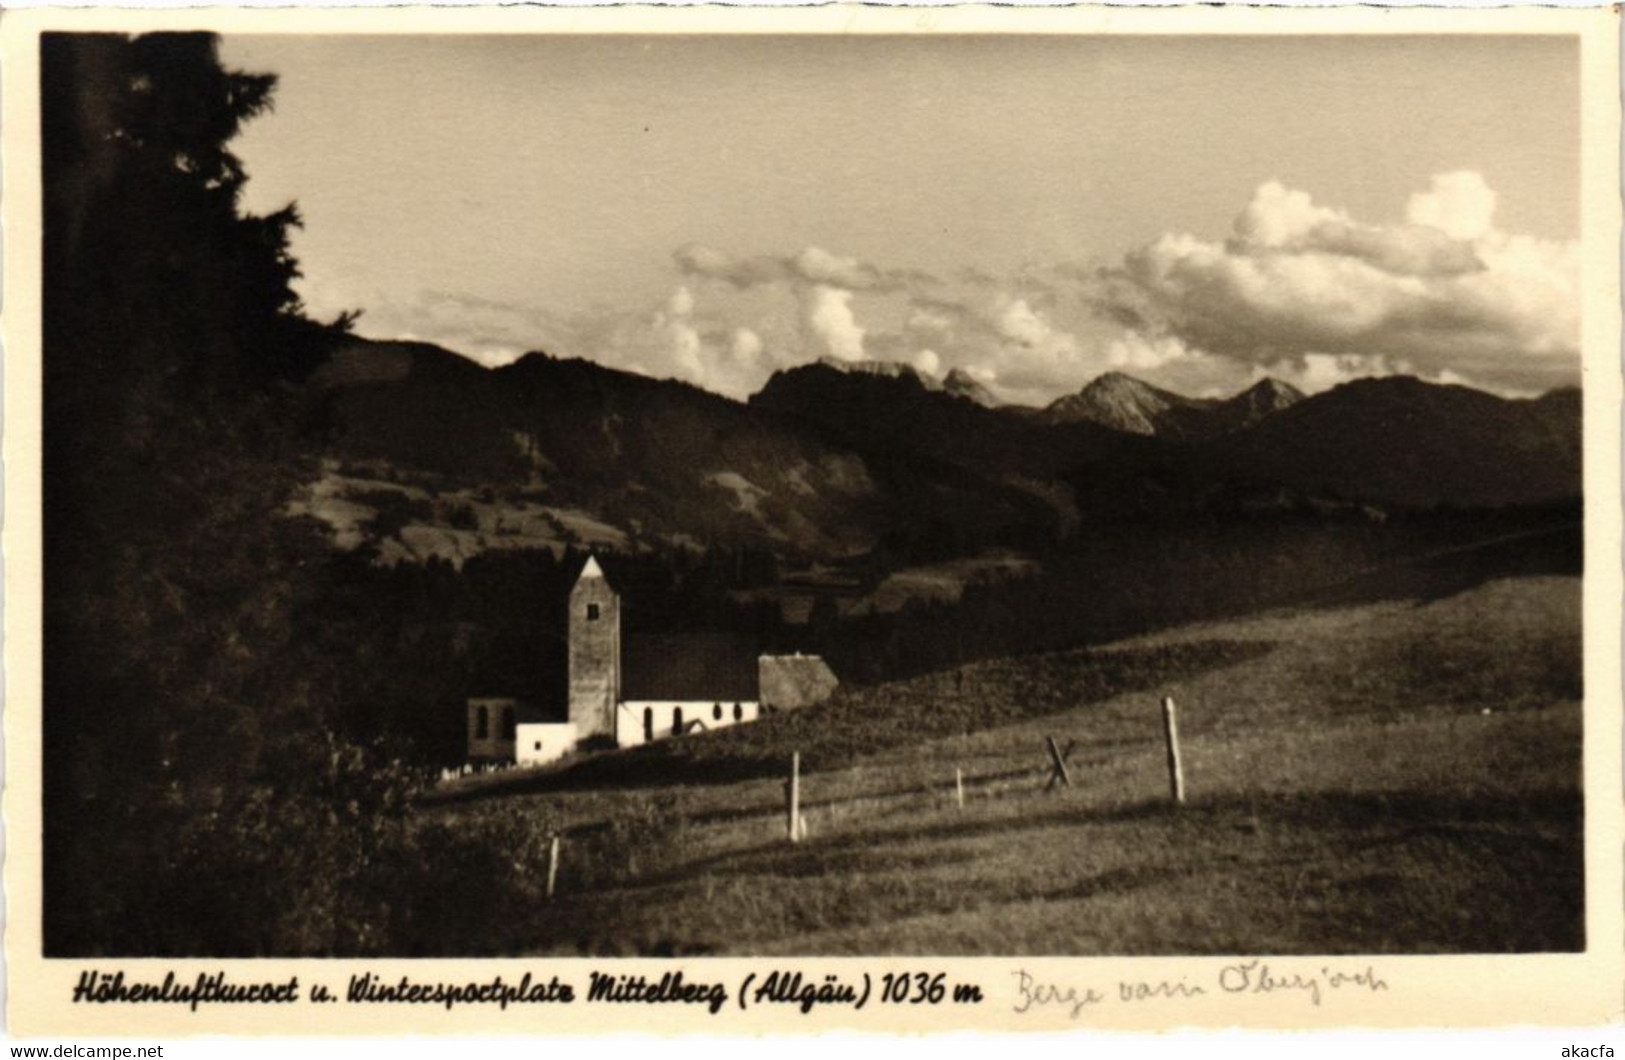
(640, 721)
(538, 743)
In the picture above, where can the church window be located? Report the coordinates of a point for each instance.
(508, 729)
(739, 712)
(677, 722)
(648, 723)
(538, 745)
(482, 724)
(592, 612)
(716, 712)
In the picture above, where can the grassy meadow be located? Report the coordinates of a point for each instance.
(1400, 776)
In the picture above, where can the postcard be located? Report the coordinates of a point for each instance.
(723, 521)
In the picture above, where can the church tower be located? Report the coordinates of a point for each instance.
(595, 653)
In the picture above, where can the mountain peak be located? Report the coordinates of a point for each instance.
(1121, 402)
(961, 383)
(1273, 387)
(1125, 403)
(1114, 376)
(1266, 396)
(1118, 381)
(884, 369)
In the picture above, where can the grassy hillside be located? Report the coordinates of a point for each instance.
(1390, 777)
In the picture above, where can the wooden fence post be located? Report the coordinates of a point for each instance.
(959, 786)
(552, 865)
(793, 790)
(1057, 757)
(1170, 732)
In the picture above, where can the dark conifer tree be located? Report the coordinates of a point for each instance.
(190, 771)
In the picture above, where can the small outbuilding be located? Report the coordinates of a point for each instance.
(789, 682)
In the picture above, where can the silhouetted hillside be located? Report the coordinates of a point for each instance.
(900, 415)
(1402, 441)
(828, 461)
(655, 460)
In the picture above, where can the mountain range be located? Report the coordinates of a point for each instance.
(957, 383)
(1125, 403)
(829, 458)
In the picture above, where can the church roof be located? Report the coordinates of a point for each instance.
(592, 569)
(689, 667)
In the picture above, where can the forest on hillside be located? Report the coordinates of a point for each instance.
(432, 634)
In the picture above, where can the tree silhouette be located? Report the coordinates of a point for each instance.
(157, 280)
(187, 717)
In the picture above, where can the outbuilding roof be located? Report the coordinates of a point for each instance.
(790, 681)
(526, 711)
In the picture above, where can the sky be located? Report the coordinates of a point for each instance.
(1199, 211)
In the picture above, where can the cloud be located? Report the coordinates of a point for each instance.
(1314, 372)
(677, 341)
(710, 263)
(681, 303)
(812, 265)
(1458, 204)
(1298, 288)
(928, 320)
(1444, 291)
(1020, 329)
(1282, 219)
(485, 330)
(831, 270)
(823, 284)
(681, 339)
(831, 327)
(1026, 352)
(675, 338)
(1139, 352)
(1018, 323)
(745, 346)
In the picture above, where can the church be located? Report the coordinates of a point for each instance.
(632, 689)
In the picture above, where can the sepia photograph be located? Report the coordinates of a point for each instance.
(643, 496)
(691, 495)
